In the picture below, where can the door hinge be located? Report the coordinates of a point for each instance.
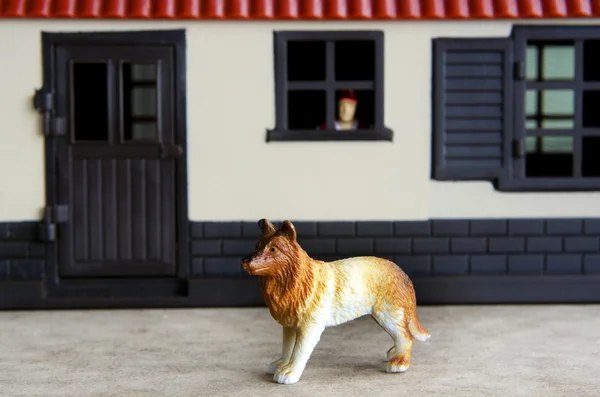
(57, 213)
(43, 101)
(53, 215)
(58, 127)
(518, 148)
(169, 151)
(519, 70)
(47, 232)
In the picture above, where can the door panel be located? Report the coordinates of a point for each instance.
(114, 174)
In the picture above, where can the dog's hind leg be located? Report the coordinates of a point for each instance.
(394, 323)
(289, 341)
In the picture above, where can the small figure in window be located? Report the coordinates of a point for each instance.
(346, 111)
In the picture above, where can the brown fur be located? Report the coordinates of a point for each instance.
(289, 281)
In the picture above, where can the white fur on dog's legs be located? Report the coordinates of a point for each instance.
(391, 352)
(307, 338)
(275, 365)
(288, 343)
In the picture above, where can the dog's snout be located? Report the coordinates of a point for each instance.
(247, 259)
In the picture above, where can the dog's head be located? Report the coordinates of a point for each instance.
(275, 250)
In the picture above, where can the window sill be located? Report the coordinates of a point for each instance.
(381, 134)
(549, 185)
(540, 185)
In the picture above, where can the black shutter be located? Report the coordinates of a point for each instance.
(472, 97)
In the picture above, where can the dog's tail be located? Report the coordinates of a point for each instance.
(417, 330)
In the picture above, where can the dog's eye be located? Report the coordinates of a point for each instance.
(272, 249)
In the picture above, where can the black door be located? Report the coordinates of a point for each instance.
(117, 161)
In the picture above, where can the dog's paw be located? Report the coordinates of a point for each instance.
(287, 375)
(398, 364)
(390, 367)
(275, 366)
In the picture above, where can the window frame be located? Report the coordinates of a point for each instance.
(282, 86)
(520, 35)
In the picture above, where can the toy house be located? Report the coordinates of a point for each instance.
(143, 140)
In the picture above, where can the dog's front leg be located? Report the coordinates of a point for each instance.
(307, 337)
(289, 341)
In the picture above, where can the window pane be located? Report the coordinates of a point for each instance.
(89, 102)
(531, 124)
(143, 72)
(553, 157)
(554, 103)
(306, 109)
(531, 102)
(559, 62)
(590, 166)
(531, 63)
(561, 124)
(143, 130)
(143, 101)
(531, 144)
(591, 107)
(355, 60)
(306, 60)
(557, 102)
(557, 144)
(591, 60)
(140, 102)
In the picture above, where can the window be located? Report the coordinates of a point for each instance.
(90, 100)
(91, 115)
(553, 131)
(519, 111)
(139, 101)
(329, 86)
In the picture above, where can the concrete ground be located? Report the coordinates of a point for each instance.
(474, 351)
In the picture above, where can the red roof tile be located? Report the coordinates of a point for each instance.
(300, 9)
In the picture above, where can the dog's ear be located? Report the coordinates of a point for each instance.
(289, 230)
(266, 227)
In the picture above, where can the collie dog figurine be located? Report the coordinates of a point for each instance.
(305, 296)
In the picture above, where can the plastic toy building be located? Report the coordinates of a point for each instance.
(306, 296)
(458, 139)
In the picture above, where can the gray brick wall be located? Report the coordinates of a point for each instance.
(21, 257)
(421, 248)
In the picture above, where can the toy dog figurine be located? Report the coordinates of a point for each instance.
(305, 296)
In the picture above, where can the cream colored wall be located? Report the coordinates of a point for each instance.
(234, 174)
